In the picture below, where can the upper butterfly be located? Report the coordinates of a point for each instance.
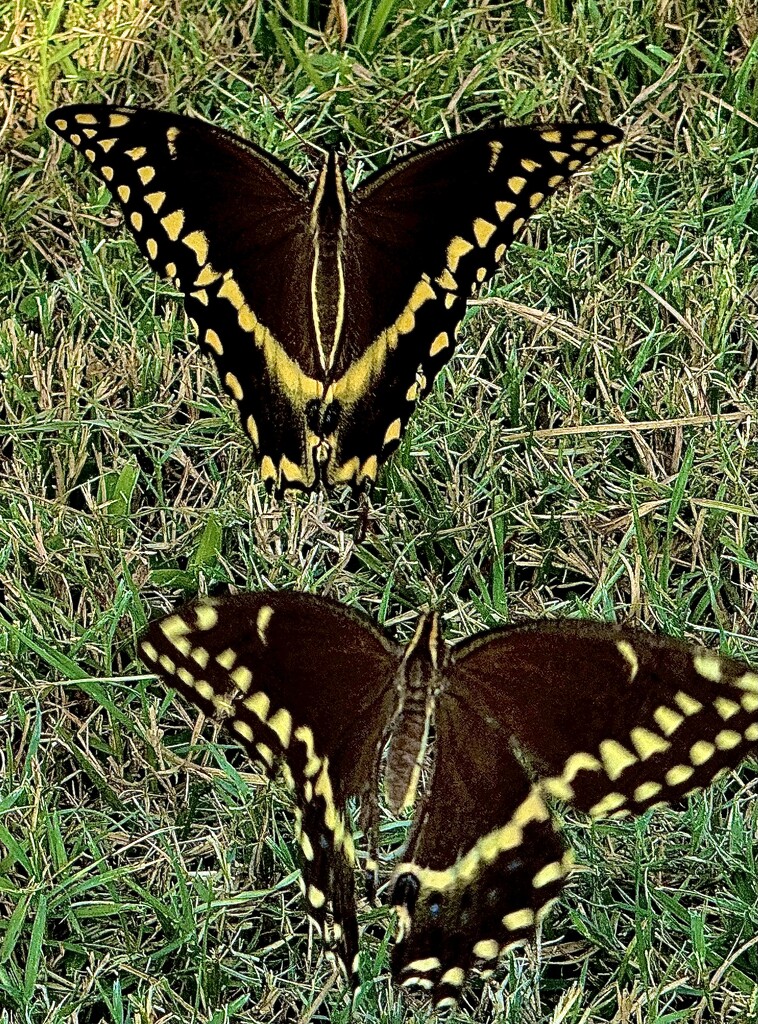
(608, 719)
(328, 313)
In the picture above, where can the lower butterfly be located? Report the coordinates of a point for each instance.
(610, 720)
(328, 313)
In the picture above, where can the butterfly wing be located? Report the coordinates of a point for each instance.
(611, 720)
(422, 235)
(230, 225)
(304, 682)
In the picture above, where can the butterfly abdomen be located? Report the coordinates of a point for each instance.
(418, 681)
(328, 226)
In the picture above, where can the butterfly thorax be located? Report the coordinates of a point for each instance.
(328, 226)
(418, 682)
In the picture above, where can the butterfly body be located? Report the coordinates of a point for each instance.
(608, 719)
(328, 312)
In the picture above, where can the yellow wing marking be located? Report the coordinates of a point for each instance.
(615, 758)
(393, 431)
(483, 231)
(609, 803)
(627, 652)
(647, 743)
(667, 720)
(439, 344)
(148, 650)
(687, 704)
(281, 723)
(701, 751)
(227, 658)
(708, 666)
(519, 919)
(234, 386)
(155, 200)
(198, 243)
(212, 339)
(678, 774)
(173, 223)
(298, 387)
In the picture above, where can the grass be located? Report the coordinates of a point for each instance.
(145, 875)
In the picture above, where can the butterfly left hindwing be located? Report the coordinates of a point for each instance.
(328, 314)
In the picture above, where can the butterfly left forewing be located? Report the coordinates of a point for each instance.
(422, 236)
(612, 720)
(229, 224)
(301, 682)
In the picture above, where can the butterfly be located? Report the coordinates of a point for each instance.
(329, 313)
(609, 719)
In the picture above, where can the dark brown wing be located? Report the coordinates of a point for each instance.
(302, 681)
(612, 720)
(230, 224)
(422, 235)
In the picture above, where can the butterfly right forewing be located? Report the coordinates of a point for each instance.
(302, 682)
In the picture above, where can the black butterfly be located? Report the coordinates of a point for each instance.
(609, 719)
(328, 313)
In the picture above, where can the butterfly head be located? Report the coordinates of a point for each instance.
(428, 646)
(329, 198)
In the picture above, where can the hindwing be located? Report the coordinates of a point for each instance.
(328, 314)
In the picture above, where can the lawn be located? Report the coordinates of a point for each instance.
(589, 451)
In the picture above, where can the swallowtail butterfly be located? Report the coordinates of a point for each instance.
(625, 720)
(328, 313)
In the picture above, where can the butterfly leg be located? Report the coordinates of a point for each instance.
(369, 824)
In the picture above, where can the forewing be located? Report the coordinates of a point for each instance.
(422, 236)
(612, 720)
(301, 681)
(229, 225)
